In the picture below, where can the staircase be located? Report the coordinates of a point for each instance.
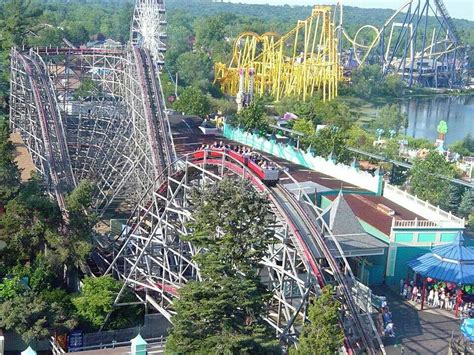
(452, 33)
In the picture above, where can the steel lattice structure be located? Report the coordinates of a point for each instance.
(298, 64)
(407, 44)
(118, 136)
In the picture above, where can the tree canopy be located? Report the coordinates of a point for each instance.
(253, 116)
(223, 312)
(323, 334)
(193, 102)
(426, 178)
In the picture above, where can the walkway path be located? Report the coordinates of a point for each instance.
(417, 332)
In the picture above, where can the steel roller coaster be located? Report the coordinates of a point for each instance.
(419, 42)
(119, 137)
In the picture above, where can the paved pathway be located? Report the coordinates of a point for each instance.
(417, 332)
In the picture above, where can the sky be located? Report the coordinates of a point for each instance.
(456, 8)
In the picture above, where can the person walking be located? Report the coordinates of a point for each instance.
(436, 299)
(431, 297)
(414, 293)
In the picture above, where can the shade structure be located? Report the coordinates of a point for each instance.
(467, 329)
(451, 263)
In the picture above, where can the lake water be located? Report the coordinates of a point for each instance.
(424, 115)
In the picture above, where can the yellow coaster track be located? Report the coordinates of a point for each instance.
(298, 64)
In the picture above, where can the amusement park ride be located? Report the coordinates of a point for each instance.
(419, 42)
(119, 137)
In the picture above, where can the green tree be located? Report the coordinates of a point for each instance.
(366, 81)
(226, 107)
(194, 69)
(46, 36)
(77, 33)
(179, 42)
(454, 197)
(463, 147)
(96, 299)
(9, 172)
(470, 222)
(223, 312)
(467, 204)
(210, 30)
(360, 138)
(29, 223)
(78, 242)
(333, 113)
(323, 335)
(95, 302)
(15, 18)
(32, 226)
(253, 116)
(330, 140)
(390, 118)
(426, 178)
(304, 126)
(36, 315)
(193, 102)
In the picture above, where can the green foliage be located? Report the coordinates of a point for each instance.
(333, 113)
(454, 197)
(418, 143)
(194, 69)
(95, 302)
(426, 181)
(467, 204)
(304, 126)
(224, 106)
(221, 317)
(29, 223)
(26, 315)
(222, 313)
(9, 172)
(360, 138)
(330, 140)
(15, 18)
(34, 313)
(390, 118)
(231, 223)
(470, 222)
(368, 82)
(34, 232)
(193, 102)
(11, 288)
(463, 147)
(323, 335)
(81, 221)
(96, 299)
(46, 37)
(179, 42)
(87, 88)
(253, 117)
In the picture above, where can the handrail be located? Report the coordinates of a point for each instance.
(340, 278)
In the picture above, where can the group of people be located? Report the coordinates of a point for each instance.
(246, 152)
(438, 294)
(410, 291)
